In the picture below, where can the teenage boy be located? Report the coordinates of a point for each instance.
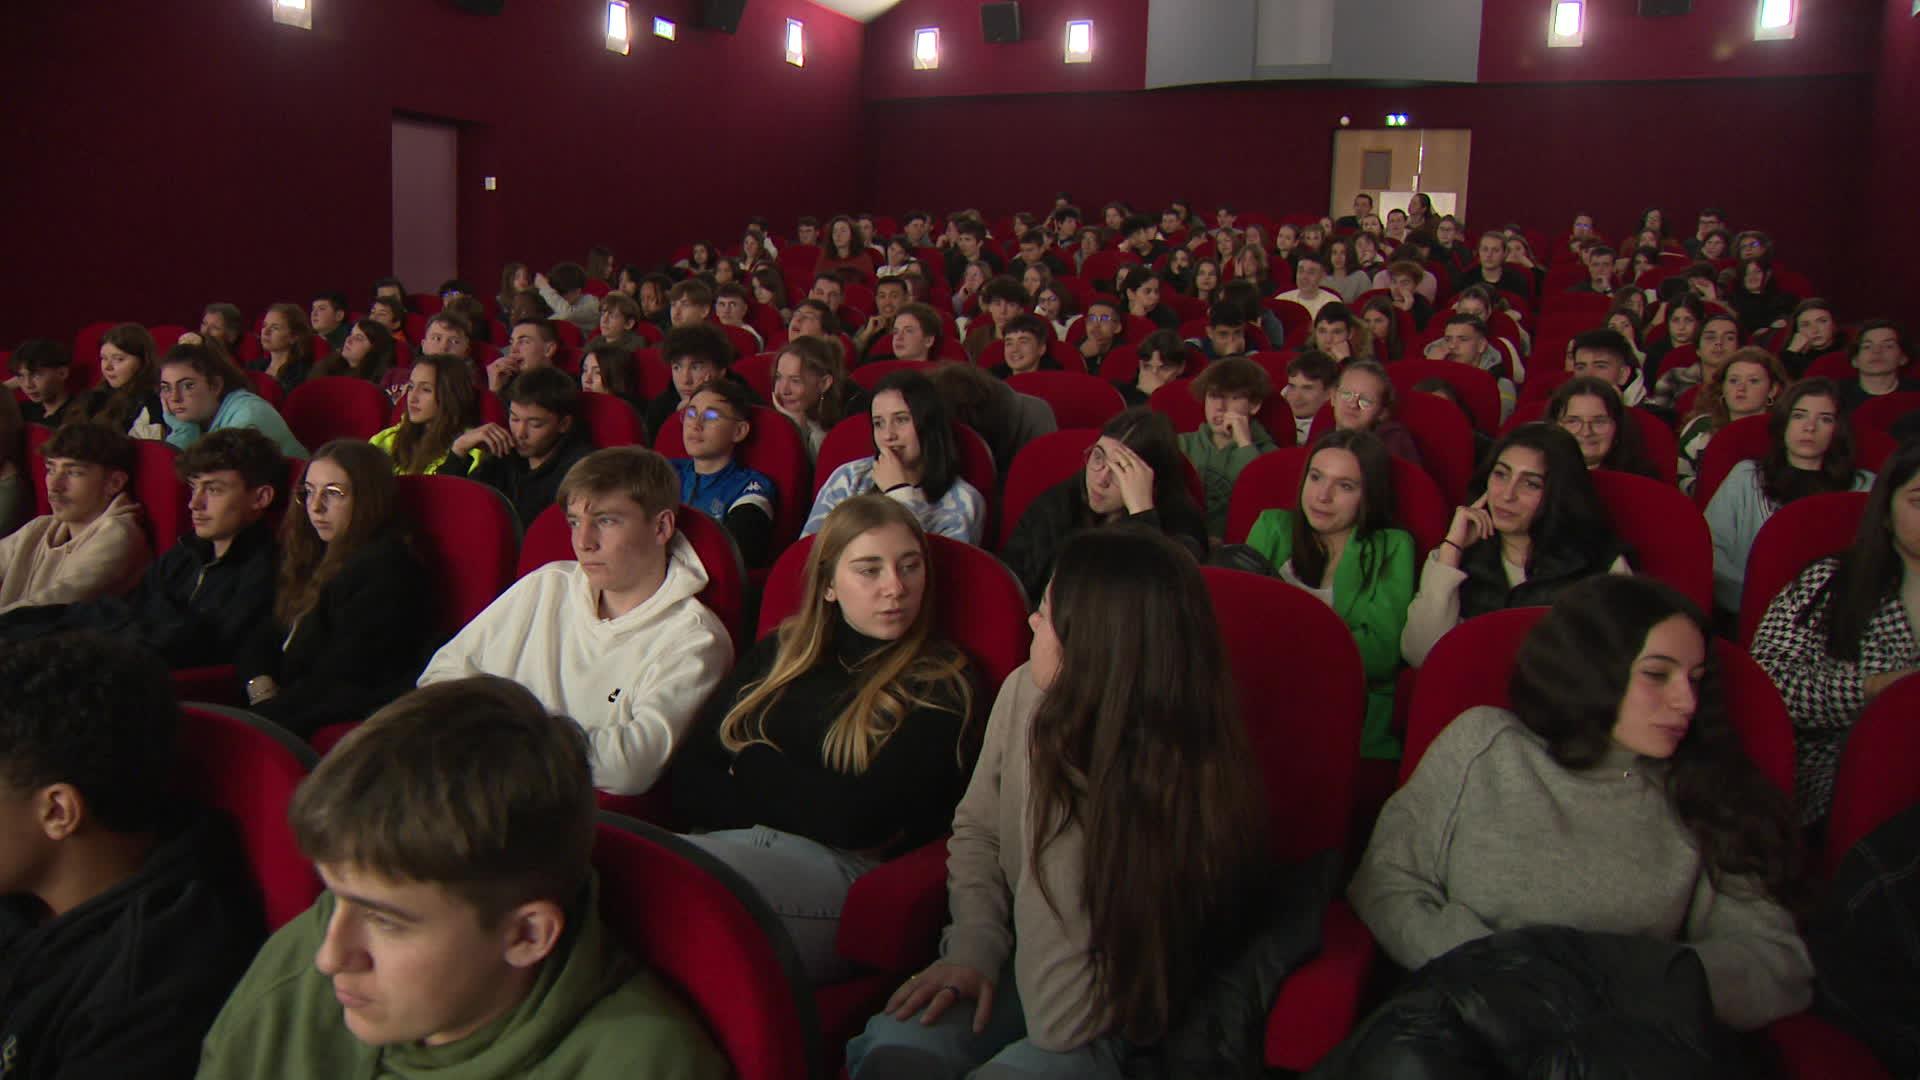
(1605, 355)
(211, 591)
(689, 303)
(1105, 320)
(41, 368)
(1466, 341)
(542, 441)
(731, 304)
(619, 639)
(969, 244)
(125, 919)
(92, 544)
(328, 317)
(531, 344)
(619, 313)
(1309, 270)
(1232, 391)
(1024, 342)
(1311, 377)
(1599, 260)
(890, 294)
(459, 935)
(713, 425)
(1226, 332)
(696, 354)
(566, 296)
(1001, 299)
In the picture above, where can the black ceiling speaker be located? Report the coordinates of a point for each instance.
(1000, 23)
(1666, 7)
(722, 15)
(481, 7)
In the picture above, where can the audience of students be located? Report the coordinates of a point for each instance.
(1747, 385)
(712, 478)
(440, 433)
(205, 391)
(528, 459)
(916, 460)
(1231, 391)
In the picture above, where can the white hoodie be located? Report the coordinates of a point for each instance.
(633, 683)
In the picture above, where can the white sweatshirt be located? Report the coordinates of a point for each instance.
(633, 683)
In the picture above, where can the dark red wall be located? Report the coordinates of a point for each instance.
(1782, 154)
(1714, 41)
(158, 156)
(1035, 65)
(1894, 163)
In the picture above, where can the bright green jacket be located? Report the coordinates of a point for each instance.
(592, 1014)
(1219, 467)
(1372, 588)
(384, 440)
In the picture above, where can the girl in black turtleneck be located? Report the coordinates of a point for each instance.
(836, 741)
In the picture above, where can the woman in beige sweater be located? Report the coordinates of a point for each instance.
(1084, 914)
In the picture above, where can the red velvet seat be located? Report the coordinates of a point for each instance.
(247, 768)
(1796, 536)
(1479, 391)
(1445, 439)
(335, 407)
(1837, 366)
(1272, 482)
(757, 372)
(1053, 457)
(268, 387)
(162, 494)
(468, 534)
(85, 371)
(568, 332)
(773, 447)
(1078, 400)
(1667, 533)
(1175, 400)
(1745, 438)
(1879, 413)
(165, 336)
(1295, 319)
(611, 421)
(1879, 773)
(868, 375)
(707, 932)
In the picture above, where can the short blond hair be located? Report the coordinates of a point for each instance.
(634, 471)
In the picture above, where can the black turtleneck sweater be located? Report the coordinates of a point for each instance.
(904, 799)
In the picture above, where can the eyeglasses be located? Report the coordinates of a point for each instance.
(1356, 399)
(310, 495)
(707, 416)
(1596, 425)
(1100, 318)
(1095, 458)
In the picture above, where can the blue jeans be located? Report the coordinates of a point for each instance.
(804, 882)
(948, 1049)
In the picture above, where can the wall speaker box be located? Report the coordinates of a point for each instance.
(1661, 8)
(722, 15)
(481, 7)
(1000, 23)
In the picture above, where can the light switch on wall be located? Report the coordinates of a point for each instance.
(492, 183)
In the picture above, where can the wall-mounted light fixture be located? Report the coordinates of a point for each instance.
(926, 48)
(619, 29)
(1567, 26)
(1080, 41)
(293, 13)
(1397, 119)
(664, 28)
(1775, 20)
(796, 43)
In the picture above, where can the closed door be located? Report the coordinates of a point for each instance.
(1391, 164)
(426, 160)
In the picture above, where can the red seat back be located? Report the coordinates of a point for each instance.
(611, 421)
(1796, 536)
(1303, 694)
(1471, 664)
(1479, 391)
(708, 933)
(1295, 319)
(852, 439)
(1272, 482)
(868, 375)
(773, 447)
(335, 407)
(1744, 439)
(1879, 413)
(161, 492)
(757, 372)
(1078, 400)
(37, 436)
(1879, 773)
(1176, 401)
(268, 388)
(247, 768)
(1669, 537)
(978, 604)
(1445, 440)
(469, 537)
(1837, 366)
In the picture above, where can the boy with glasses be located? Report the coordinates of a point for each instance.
(713, 481)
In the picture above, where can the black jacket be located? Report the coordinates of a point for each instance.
(127, 983)
(532, 490)
(1866, 944)
(190, 608)
(361, 646)
(1551, 570)
(1548, 1001)
(1062, 511)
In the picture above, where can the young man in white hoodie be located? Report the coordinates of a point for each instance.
(618, 640)
(93, 544)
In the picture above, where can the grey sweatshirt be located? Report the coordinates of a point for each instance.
(1492, 834)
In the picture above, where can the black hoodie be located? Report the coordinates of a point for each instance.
(126, 984)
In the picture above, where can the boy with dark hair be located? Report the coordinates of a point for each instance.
(696, 354)
(1226, 332)
(617, 639)
(542, 425)
(1025, 342)
(1136, 235)
(1311, 377)
(1034, 251)
(391, 288)
(890, 294)
(328, 316)
(1605, 355)
(126, 919)
(448, 334)
(41, 368)
(1309, 270)
(619, 314)
(209, 593)
(1000, 299)
(531, 344)
(806, 231)
(970, 243)
(713, 481)
(92, 544)
(732, 302)
(1105, 320)
(689, 303)
(460, 932)
(566, 294)
(1232, 389)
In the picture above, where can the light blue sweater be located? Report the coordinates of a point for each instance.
(241, 408)
(961, 513)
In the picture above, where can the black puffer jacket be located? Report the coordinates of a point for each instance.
(1545, 1002)
(1866, 944)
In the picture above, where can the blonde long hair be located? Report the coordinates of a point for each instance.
(908, 674)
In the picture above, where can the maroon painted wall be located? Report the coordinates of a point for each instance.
(1714, 41)
(1034, 65)
(1781, 154)
(156, 159)
(1894, 156)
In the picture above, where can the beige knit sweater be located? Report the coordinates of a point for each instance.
(47, 561)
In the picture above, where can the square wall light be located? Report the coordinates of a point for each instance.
(796, 43)
(1080, 41)
(1775, 20)
(619, 28)
(1567, 27)
(293, 13)
(926, 48)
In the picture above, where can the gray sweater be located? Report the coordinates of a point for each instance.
(1492, 834)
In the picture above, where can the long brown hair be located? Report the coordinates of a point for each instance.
(308, 563)
(122, 404)
(301, 331)
(1138, 743)
(917, 671)
(418, 447)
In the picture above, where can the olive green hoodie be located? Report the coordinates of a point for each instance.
(592, 1013)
